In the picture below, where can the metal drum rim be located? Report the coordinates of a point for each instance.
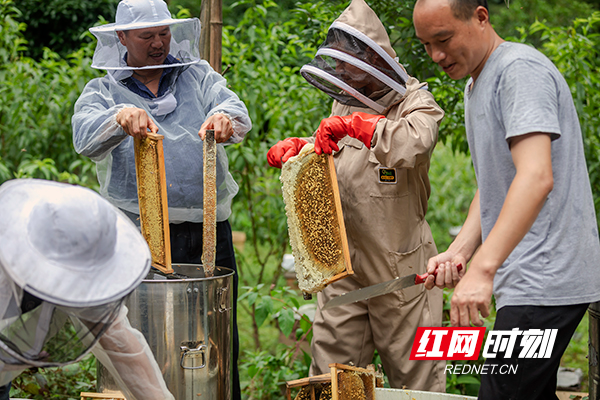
(227, 273)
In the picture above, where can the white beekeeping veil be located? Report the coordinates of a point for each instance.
(356, 64)
(67, 260)
(138, 14)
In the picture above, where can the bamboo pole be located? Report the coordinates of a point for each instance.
(211, 19)
(205, 29)
(216, 34)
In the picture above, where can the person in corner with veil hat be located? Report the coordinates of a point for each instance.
(68, 258)
(382, 129)
(157, 82)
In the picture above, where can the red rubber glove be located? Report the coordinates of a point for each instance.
(284, 150)
(358, 125)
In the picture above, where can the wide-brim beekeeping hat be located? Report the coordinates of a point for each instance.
(358, 39)
(139, 14)
(67, 245)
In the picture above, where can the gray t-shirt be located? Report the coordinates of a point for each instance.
(520, 91)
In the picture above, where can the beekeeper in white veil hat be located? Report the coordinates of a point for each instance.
(156, 81)
(67, 260)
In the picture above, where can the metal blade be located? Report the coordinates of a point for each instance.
(372, 291)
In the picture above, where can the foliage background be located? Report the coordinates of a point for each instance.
(45, 54)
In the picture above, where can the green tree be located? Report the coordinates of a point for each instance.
(522, 13)
(59, 24)
(36, 107)
(262, 62)
(575, 50)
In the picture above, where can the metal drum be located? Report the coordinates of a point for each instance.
(594, 347)
(186, 319)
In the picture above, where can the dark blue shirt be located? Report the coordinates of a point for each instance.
(139, 88)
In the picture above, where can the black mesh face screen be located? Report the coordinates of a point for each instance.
(338, 39)
(346, 68)
(49, 336)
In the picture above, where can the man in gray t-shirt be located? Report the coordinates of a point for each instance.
(531, 235)
(517, 93)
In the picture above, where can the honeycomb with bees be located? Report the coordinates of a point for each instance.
(315, 220)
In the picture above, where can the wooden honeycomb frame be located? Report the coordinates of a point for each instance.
(152, 199)
(209, 226)
(309, 387)
(108, 395)
(344, 382)
(315, 220)
(340, 216)
(352, 383)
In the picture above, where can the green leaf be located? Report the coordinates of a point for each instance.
(468, 380)
(305, 323)
(294, 300)
(252, 370)
(263, 310)
(286, 321)
(252, 296)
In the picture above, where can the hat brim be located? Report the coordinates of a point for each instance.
(113, 27)
(45, 278)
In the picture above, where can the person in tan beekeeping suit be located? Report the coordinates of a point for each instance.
(383, 128)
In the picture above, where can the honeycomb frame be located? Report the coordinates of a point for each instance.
(209, 207)
(315, 220)
(152, 199)
(352, 383)
(344, 382)
(310, 388)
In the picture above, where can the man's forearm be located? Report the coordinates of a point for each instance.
(469, 238)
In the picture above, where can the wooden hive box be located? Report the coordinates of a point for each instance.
(353, 383)
(315, 220)
(311, 388)
(344, 382)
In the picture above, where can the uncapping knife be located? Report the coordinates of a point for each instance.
(379, 289)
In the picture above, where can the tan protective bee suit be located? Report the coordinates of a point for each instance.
(384, 192)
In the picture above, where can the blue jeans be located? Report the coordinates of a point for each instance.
(186, 248)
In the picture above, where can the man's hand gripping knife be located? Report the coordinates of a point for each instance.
(472, 292)
(358, 125)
